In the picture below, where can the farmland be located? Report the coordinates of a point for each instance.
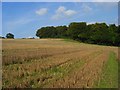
(58, 63)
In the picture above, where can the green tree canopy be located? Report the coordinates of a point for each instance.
(75, 29)
(10, 35)
(98, 33)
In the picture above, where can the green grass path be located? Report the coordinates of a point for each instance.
(109, 77)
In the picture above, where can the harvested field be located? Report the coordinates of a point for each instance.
(55, 63)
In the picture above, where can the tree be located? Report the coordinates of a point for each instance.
(112, 33)
(61, 31)
(10, 35)
(75, 29)
(88, 34)
(98, 33)
(117, 39)
(46, 32)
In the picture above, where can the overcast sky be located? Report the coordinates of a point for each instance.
(24, 18)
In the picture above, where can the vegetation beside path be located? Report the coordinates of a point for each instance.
(109, 76)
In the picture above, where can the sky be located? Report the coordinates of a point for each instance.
(0, 18)
(60, 0)
(119, 13)
(24, 18)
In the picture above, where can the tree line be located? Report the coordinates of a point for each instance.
(8, 35)
(98, 33)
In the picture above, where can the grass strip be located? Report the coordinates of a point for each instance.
(109, 76)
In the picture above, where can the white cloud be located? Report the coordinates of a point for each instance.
(42, 11)
(61, 9)
(57, 16)
(70, 12)
(86, 8)
(62, 12)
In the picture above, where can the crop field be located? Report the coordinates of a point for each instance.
(58, 63)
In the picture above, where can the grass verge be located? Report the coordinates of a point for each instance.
(109, 76)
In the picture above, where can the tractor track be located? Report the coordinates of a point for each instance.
(84, 77)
